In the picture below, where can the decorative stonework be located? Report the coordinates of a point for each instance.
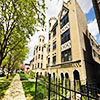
(66, 46)
(66, 27)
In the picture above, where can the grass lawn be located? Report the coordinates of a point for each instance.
(3, 87)
(29, 90)
(5, 79)
(26, 76)
(4, 84)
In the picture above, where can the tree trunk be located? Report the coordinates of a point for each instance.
(9, 66)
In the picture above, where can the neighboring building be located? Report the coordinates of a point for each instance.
(32, 64)
(40, 55)
(72, 52)
(96, 4)
(27, 67)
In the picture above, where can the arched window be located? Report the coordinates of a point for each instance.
(77, 82)
(53, 76)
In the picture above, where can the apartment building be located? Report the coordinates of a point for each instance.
(70, 51)
(40, 56)
(96, 4)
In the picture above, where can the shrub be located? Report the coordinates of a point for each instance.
(32, 74)
(23, 76)
(26, 76)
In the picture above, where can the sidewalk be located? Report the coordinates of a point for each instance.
(15, 91)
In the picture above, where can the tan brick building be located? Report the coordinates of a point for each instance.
(72, 52)
(40, 56)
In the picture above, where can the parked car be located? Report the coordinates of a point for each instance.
(2, 73)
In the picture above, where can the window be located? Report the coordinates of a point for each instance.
(50, 24)
(54, 59)
(40, 40)
(32, 66)
(43, 40)
(53, 76)
(99, 57)
(66, 55)
(49, 48)
(39, 48)
(34, 52)
(38, 65)
(42, 57)
(54, 32)
(39, 56)
(64, 20)
(36, 57)
(65, 36)
(94, 53)
(42, 48)
(48, 60)
(54, 45)
(41, 65)
(49, 36)
(92, 42)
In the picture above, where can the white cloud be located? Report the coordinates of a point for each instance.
(93, 28)
(85, 5)
(54, 7)
(33, 42)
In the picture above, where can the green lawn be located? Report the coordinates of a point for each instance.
(26, 76)
(3, 87)
(5, 79)
(29, 89)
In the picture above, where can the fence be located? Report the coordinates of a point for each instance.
(58, 89)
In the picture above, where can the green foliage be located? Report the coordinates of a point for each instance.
(29, 88)
(26, 76)
(3, 87)
(19, 19)
(10, 78)
(23, 76)
(32, 74)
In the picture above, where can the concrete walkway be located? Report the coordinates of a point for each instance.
(15, 91)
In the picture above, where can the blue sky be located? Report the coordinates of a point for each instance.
(54, 7)
(90, 18)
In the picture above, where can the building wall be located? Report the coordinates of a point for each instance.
(75, 35)
(40, 49)
(81, 48)
(80, 42)
(96, 4)
(32, 64)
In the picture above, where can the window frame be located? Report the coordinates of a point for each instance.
(54, 59)
(54, 45)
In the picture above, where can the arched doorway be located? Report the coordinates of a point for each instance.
(77, 82)
(67, 85)
(62, 77)
(53, 76)
(40, 73)
(46, 73)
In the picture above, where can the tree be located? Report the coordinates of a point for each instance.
(19, 19)
(18, 55)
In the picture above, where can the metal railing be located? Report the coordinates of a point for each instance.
(58, 90)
